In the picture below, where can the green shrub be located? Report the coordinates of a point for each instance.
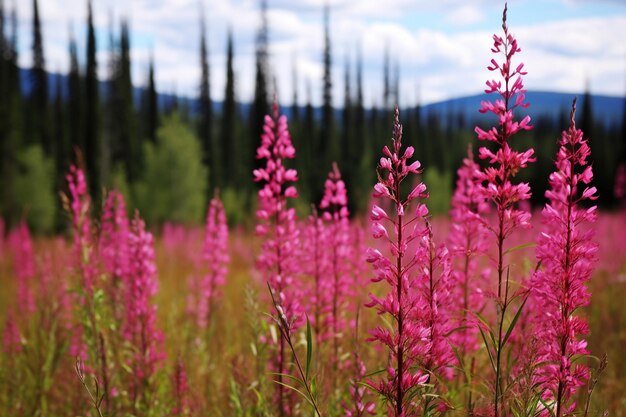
(34, 188)
(439, 187)
(173, 185)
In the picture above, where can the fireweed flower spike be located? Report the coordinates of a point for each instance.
(140, 323)
(398, 230)
(215, 256)
(277, 223)
(21, 245)
(113, 247)
(467, 241)
(505, 163)
(334, 205)
(567, 253)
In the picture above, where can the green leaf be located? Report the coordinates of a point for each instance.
(546, 406)
(518, 247)
(306, 397)
(514, 321)
(493, 364)
(309, 347)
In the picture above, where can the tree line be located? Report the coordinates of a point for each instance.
(117, 138)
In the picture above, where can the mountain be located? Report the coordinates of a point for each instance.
(608, 110)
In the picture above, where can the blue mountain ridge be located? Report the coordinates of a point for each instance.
(608, 110)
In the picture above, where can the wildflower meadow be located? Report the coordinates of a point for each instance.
(496, 307)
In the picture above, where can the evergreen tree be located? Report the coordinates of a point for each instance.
(75, 102)
(229, 141)
(38, 123)
(361, 148)
(386, 82)
(63, 148)
(93, 143)
(150, 106)
(308, 147)
(295, 108)
(125, 138)
(348, 160)
(586, 119)
(260, 105)
(11, 133)
(209, 149)
(327, 148)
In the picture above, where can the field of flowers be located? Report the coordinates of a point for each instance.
(493, 310)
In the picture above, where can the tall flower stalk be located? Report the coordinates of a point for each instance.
(277, 223)
(567, 253)
(334, 206)
(139, 327)
(216, 257)
(398, 230)
(498, 185)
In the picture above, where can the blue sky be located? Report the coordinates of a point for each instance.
(441, 48)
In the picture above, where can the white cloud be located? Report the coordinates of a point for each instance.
(446, 61)
(465, 15)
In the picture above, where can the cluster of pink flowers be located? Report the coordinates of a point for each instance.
(567, 253)
(139, 324)
(467, 242)
(181, 390)
(315, 265)
(505, 163)
(405, 340)
(277, 221)
(216, 258)
(80, 206)
(114, 233)
(498, 186)
(334, 206)
(277, 224)
(21, 245)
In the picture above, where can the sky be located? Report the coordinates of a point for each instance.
(440, 48)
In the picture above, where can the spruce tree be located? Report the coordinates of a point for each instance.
(75, 102)
(295, 108)
(229, 140)
(62, 147)
(260, 105)
(205, 125)
(127, 139)
(150, 106)
(327, 148)
(92, 136)
(38, 114)
(307, 155)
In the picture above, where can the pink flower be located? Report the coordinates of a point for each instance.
(114, 236)
(277, 224)
(80, 203)
(139, 327)
(467, 242)
(21, 245)
(417, 275)
(497, 179)
(216, 258)
(567, 253)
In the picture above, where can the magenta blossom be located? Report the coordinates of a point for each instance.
(467, 242)
(139, 327)
(216, 258)
(398, 230)
(567, 253)
(277, 224)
